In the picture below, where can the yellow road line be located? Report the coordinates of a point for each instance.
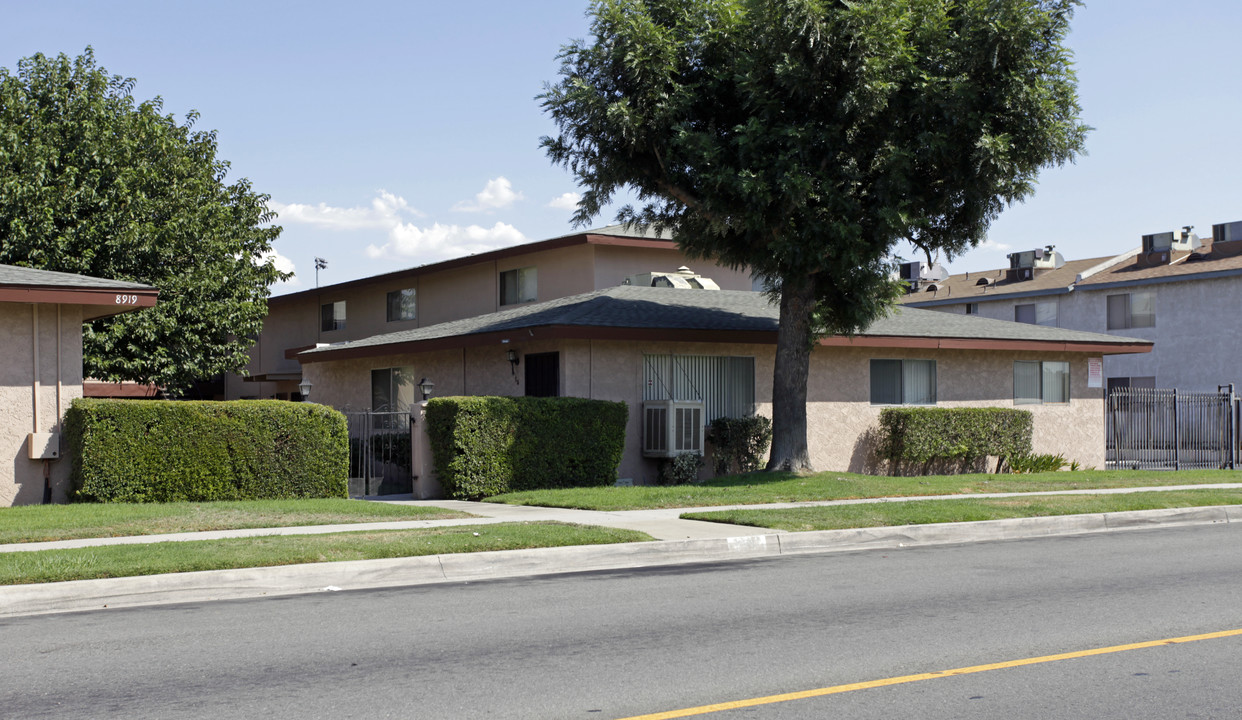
(836, 689)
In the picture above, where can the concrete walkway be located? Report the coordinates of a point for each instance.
(680, 542)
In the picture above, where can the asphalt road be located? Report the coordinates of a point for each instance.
(620, 644)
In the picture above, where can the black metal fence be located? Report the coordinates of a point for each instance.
(1162, 429)
(379, 453)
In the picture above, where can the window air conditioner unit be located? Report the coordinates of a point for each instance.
(672, 428)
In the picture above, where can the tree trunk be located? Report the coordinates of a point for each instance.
(793, 363)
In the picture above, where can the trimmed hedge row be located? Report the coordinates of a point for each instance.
(155, 451)
(962, 435)
(484, 446)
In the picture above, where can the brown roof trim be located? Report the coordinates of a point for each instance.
(588, 332)
(486, 257)
(933, 343)
(115, 301)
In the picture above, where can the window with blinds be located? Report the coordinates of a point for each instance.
(903, 382)
(724, 384)
(1040, 382)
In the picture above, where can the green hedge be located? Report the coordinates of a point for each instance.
(955, 435)
(156, 451)
(484, 446)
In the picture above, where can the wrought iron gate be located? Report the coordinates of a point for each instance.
(379, 453)
(1162, 429)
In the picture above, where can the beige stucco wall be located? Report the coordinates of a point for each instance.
(22, 479)
(839, 412)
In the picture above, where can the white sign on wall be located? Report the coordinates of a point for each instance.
(1095, 372)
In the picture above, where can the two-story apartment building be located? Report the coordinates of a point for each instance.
(452, 290)
(1176, 290)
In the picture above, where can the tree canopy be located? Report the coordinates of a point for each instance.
(95, 183)
(805, 139)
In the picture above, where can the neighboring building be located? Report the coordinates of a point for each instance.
(1177, 290)
(451, 290)
(653, 347)
(41, 316)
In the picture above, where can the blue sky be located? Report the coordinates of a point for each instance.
(393, 134)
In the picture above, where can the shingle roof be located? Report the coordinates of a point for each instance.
(644, 308)
(1215, 259)
(1223, 258)
(14, 276)
(966, 288)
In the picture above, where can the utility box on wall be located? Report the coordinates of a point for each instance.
(43, 446)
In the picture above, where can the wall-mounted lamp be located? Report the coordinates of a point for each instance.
(425, 387)
(513, 358)
(304, 387)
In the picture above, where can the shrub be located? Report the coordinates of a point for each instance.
(484, 446)
(681, 469)
(739, 444)
(960, 436)
(153, 451)
(1030, 463)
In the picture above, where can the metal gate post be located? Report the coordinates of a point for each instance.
(1177, 434)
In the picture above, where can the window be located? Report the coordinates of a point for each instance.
(903, 382)
(518, 286)
(726, 385)
(543, 374)
(392, 389)
(401, 305)
(1041, 313)
(972, 308)
(1132, 310)
(332, 316)
(1037, 383)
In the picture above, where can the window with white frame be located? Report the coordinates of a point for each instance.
(332, 316)
(1132, 310)
(1037, 383)
(1037, 313)
(402, 305)
(519, 285)
(725, 384)
(903, 382)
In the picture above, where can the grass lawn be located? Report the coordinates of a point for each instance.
(758, 488)
(39, 523)
(923, 512)
(171, 557)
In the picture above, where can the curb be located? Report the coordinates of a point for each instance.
(211, 585)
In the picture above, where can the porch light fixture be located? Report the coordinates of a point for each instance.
(304, 387)
(513, 358)
(425, 387)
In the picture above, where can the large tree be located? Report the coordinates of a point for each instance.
(92, 182)
(805, 139)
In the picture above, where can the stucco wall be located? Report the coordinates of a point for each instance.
(22, 479)
(839, 411)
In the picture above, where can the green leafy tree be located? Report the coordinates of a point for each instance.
(805, 139)
(92, 182)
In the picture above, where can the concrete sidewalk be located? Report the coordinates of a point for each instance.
(679, 542)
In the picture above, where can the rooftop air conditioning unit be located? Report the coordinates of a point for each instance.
(672, 428)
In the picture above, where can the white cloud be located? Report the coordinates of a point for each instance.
(440, 242)
(497, 194)
(283, 264)
(567, 201)
(993, 245)
(385, 212)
